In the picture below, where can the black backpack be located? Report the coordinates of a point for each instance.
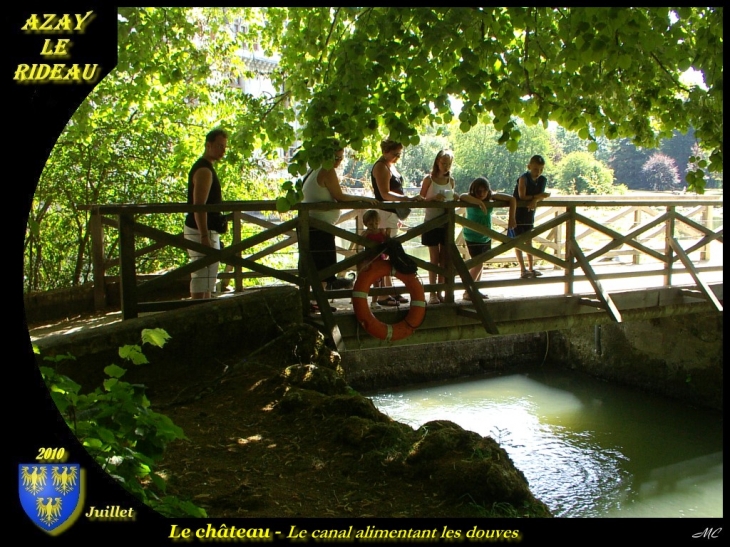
(401, 261)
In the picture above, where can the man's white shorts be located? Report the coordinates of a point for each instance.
(204, 279)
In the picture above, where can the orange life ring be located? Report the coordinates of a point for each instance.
(364, 315)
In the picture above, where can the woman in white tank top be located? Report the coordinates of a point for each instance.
(437, 186)
(324, 185)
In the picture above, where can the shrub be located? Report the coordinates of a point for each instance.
(117, 427)
(661, 172)
(581, 173)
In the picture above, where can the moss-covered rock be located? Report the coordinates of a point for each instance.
(456, 464)
(316, 378)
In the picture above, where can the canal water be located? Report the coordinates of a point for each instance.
(588, 448)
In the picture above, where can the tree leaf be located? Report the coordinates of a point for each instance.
(155, 337)
(114, 371)
(133, 353)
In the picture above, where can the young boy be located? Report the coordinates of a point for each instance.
(530, 187)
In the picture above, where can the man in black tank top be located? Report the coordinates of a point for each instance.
(202, 227)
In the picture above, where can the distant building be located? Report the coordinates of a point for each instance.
(262, 67)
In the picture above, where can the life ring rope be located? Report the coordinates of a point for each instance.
(364, 314)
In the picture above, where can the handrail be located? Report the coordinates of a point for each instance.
(570, 234)
(269, 205)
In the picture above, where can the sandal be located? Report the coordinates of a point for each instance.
(434, 299)
(466, 297)
(375, 306)
(400, 298)
(535, 273)
(390, 301)
(526, 275)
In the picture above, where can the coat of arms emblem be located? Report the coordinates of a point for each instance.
(51, 494)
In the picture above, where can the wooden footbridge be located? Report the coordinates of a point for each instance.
(604, 258)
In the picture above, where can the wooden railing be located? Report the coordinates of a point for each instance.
(667, 234)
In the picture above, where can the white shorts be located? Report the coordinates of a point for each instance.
(202, 280)
(388, 220)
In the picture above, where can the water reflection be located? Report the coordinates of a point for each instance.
(586, 447)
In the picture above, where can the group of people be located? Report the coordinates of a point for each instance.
(323, 185)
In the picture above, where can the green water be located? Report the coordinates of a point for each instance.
(587, 448)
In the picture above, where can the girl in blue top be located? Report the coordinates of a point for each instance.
(477, 242)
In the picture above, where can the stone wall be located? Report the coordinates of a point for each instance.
(679, 357)
(60, 304)
(200, 336)
(405, 365)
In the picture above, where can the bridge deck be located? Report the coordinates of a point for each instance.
(537, 305)
(532, 305)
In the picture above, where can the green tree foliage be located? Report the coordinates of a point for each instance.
(679, 147)
(478, 154)
(366, 72)
(568, 142)
(359, 74)
(582, 173)
(714, 179)
(661, 173)
(627, 160)
(133, 140)
(116, 425)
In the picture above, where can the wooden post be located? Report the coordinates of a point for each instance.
(237, 270)
(449, 250)
(570, 263)
(707, 217)
(359, 227)
(559, 239)
(127, 267)
(303, 244)
(668, 251)
(97, 259)
(637, 222)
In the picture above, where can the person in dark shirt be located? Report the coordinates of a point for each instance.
(388, 186)
(203, 227)
(530, 187)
